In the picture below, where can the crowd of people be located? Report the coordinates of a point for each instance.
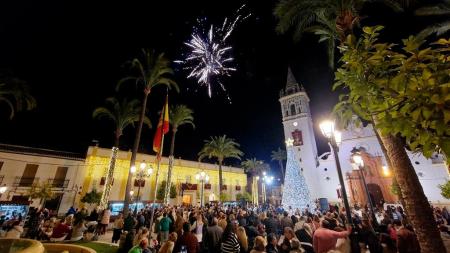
(232, 229)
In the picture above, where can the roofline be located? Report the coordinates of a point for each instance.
(23, 150)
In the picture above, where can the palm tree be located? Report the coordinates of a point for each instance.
(179, 115)
(122, 113)
(331, 20)
(220, 147)
(152, 70)
(280, 156)
(252, 168)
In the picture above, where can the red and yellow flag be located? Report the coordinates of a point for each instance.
(163, 127)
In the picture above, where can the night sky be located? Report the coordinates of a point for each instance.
(72, 52)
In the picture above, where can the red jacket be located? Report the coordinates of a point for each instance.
(189, 240)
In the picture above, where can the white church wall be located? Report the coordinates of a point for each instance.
(328, 178)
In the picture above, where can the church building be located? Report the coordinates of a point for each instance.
(319, 170)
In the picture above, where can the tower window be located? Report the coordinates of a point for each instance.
(292, 109)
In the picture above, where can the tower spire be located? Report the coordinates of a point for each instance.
(292, 86)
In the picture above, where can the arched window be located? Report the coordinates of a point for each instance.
(292, 107)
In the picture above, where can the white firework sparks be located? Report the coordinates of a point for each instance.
(209, 56)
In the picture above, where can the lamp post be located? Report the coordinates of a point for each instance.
(256, 191)
(203, 178)
(140, 175)
(359, 162)
(334, 138)
(265, 180)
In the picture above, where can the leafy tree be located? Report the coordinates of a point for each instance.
(244, 196)
(220, 148)
(395, 189)
(405, 92)
(331, 20)
(279, 155)
(224, 197)
(445, 190)
(161, 191)
(178, 115)
(92, 197)
(252, 167)
(151, 70)
(123, 113)
(41, 191)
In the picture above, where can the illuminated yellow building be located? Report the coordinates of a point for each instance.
(183, 176)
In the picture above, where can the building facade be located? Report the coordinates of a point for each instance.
(320, 171)
(70, 176)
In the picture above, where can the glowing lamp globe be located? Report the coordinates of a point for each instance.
(327, 128)
(133, 169)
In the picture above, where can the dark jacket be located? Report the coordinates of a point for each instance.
(190, 241)
(407, 241)
(272, 225)
(212, 238)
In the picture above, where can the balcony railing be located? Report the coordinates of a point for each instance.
(58, 183)
(25, 181)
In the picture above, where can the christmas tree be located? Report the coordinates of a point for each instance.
(295, 192)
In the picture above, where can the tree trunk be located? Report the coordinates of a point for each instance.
(417, 207)
(126, 204)
(280, 162)
(220, 180)
(118, 133)
(169, 172)
(389, 163)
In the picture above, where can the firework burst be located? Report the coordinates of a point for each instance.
(209, 56)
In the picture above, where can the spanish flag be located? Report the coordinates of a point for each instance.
(162, 129)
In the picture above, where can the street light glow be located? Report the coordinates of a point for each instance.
(149, 171)
(3, 189)
(131, 193)
(143, 165)
(357, 159)
(386, 171)
(133, 169)
(338, 137)
(327, 128)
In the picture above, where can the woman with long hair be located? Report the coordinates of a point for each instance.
(242, 239)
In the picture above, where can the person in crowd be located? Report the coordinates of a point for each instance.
(93, 216)
(272, 224)
(169, 245)
(164, 226)
(78, 231)
(129, 222)
(230, 242)
(71, 210)
(406, 239)
(104, 221)
(325, 239)
(213, 237)
(222, 221)
(271, 243)
(60, 230)
(242, 239)
(199, 228)
(141, 247)
(15, 231)
(179, 224)
(141, 234)
(117, 229)
(296, 247)
(304, 235)
(285, 240)
(259, 245)
(286, 221)
(368, 237)
(187, 240)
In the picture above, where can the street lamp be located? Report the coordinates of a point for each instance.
(265, 180)
(3, 189)
(334, 138)
(359, 162)
(140, 175)
(203, 178)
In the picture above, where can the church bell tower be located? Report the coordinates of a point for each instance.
(298, 129)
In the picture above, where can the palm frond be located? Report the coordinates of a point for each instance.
(437, 29)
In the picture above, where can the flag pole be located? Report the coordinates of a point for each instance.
(158, 157)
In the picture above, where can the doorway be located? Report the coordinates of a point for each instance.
(375, 194)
